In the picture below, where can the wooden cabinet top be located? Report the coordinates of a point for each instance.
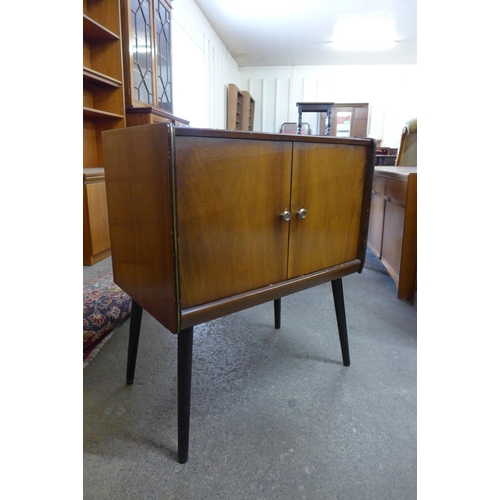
(401, 173)
(264, 136)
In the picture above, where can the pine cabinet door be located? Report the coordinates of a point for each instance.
(331, 195)
(230, 194)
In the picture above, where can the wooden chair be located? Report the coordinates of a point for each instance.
(291, 128)
(407, 153)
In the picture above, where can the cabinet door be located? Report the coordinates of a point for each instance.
(328, 183)
(163, 58)
(96, 228)
(231, 193)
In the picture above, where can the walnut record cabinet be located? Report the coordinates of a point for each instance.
(205, 223)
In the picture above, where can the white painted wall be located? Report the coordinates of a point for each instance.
(202, 67)
(391, 92)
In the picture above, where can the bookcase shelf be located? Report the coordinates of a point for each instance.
(103, 109)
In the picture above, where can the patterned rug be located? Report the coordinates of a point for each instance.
(105, 307)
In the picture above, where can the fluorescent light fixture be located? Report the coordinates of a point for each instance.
(364, 44)
(364, 34)
(254, 9)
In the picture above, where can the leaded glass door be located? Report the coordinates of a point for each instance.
(163, 62)
(149, 28)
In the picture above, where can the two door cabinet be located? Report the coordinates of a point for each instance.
(205, 223)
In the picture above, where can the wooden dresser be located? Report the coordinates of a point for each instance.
(392, 234)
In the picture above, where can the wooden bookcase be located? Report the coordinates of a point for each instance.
(248, 111)
(240, 109)
(103, 109)
(234, 108)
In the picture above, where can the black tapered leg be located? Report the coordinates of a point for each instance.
(133, 340)
(277, 314)
(338, 298)
(184, 363)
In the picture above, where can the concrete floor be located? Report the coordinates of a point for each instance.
(274, 413)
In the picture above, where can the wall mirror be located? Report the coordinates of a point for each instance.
(343, 121)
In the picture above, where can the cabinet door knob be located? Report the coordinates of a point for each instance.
(302, 213)
(286, 215)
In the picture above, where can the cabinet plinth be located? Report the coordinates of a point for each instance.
(196, 221)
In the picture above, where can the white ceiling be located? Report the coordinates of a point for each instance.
(298, 32)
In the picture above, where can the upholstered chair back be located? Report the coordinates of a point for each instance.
(407, 153)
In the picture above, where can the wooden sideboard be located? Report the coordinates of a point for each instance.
(392, 234)
(205, 223)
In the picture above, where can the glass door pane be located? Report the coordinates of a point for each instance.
(163, 60)
(141, 49)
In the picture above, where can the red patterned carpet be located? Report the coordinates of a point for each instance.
(105, 307)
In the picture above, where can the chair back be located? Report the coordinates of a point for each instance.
(407, 153)
(291, 128)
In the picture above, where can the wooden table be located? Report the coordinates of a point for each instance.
(205, 223)
(316, 107)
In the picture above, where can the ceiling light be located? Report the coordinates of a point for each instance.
(363, 44)
(364, 34)
(271, 8)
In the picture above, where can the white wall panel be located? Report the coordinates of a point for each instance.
(202, 68)
(283, 100)
(391, 92)
(269, 104)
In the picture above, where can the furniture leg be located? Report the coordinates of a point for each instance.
(328, 121)
(184, 363)
(299, 123)
(338, 298)
(277, 314)
(133, 340)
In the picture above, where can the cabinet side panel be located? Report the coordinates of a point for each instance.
(137, 163)
(376, 226)
(231, 193)
(408, 271)
(97, 217)
(328, 182)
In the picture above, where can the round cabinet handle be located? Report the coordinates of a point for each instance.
(286, 215)
(302, 213)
